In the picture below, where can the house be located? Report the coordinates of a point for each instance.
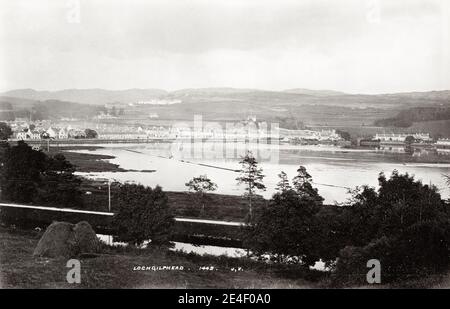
(400, 137)
(63, 134)
(50, 133)
(35, 135)
(390, 137)
(28, 135)
(424, 137)
(22, 135)
(443, 143)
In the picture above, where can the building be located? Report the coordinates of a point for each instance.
(63, 134)
(51, 133)
(443, 143)
(310, 135)
(21, 135)
(28, 135)
(35, 135)
(400, 137)
(443, 146)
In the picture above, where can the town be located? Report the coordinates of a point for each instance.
(247, 130)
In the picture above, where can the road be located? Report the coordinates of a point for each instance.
(100, 213)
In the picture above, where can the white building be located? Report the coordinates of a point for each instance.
(51, 133)
(400, 137)
(21, 135)
(35, 135)
(63, 134)
(443, 141)
(29, 135)
(443, 146)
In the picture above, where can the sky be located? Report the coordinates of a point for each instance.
(356, 46)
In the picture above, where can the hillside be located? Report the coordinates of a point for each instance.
(311, 107)
(407, 117)
(237, 96)
(88, 96)
(443, 95)
(48, 109)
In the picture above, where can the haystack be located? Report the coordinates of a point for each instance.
(63, 239)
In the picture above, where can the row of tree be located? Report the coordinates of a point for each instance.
(407, 117)
(32, 177)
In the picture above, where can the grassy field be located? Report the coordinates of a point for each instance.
(114, 269)
(184, 204)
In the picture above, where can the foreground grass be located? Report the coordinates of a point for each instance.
(114, 269)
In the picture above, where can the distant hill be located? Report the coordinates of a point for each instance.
(318, 93)
(210, 91)
(283, 99)
(88, 96)
(443, 95)
(49, 109)
(312, 107)
(6, 111)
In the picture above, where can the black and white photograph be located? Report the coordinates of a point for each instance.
(253, 145)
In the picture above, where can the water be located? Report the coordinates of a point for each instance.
(333, 169)
(202, 250)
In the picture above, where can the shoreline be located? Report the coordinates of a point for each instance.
(97, 163)
(90, 162)
(223, 207)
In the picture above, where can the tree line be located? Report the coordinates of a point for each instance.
(32, 177)
(407, 117)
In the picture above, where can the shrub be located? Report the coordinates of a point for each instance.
(286, 230)
(143, 214)
(420, 250)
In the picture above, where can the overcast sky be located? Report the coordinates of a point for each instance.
(357, 46)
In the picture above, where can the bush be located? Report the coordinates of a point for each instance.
(285, 230)
(143, 214)
(421, 250)
(350, 267)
